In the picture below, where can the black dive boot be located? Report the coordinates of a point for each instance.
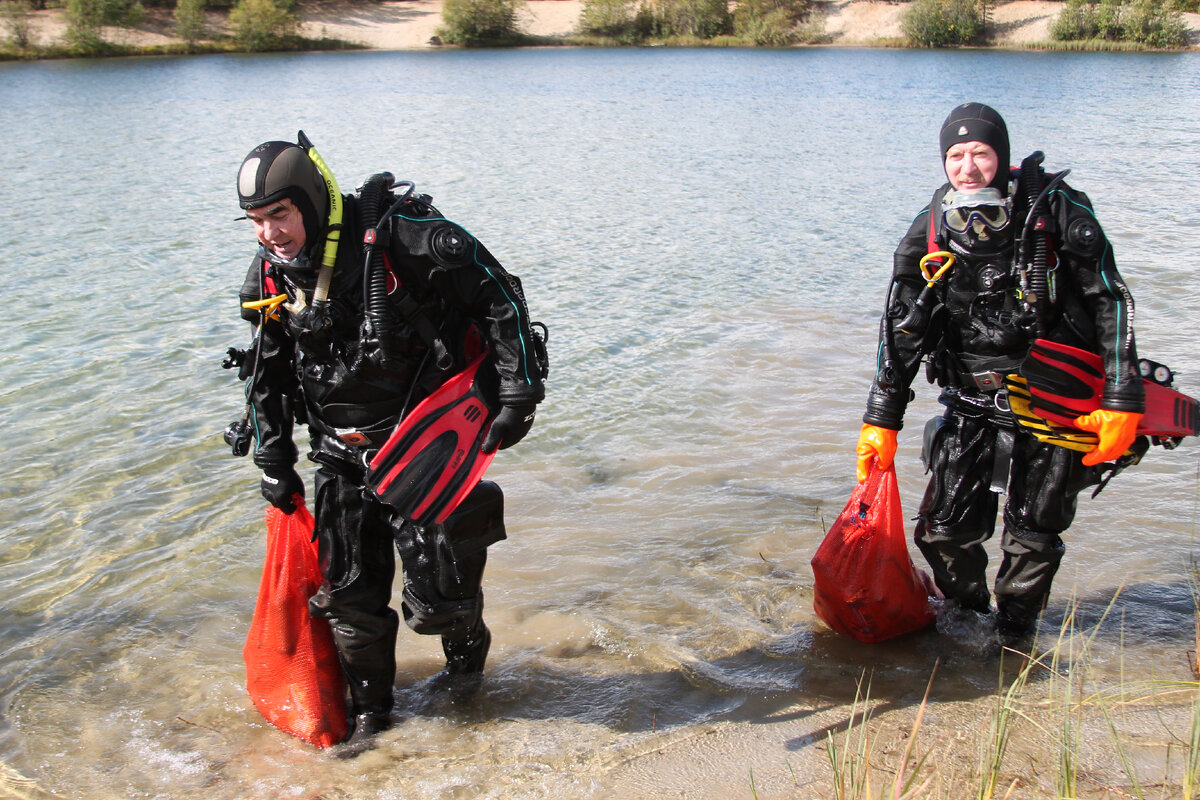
(462, 677)
(1023, 580)
(371, 704)
(1014, 621)
(466, 656)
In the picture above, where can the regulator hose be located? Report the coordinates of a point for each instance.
(380, 327)
(1031, 178)
(1038, 287)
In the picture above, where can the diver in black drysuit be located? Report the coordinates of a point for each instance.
(974, 330)
(350, 368)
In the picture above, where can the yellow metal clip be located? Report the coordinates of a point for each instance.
(932, 277)
(269, 305)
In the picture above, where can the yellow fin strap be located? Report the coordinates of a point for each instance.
(1019, 402)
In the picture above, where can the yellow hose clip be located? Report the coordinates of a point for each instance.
(932, 277)
(269, 306)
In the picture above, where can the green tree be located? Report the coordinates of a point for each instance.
(1077, 20)
(1108, 20)
(86, 19)
(189, 20)
(1155, 24)
(477, 23)
(261, 24)
(771, 23)
(945, 23)
(17, 18)
(627, 21)
(702, 19)
(1146, 22)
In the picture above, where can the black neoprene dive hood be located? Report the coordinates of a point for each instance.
(275, 170)
(975, 122)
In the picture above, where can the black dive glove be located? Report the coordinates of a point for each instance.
(509, 427)
(280, 485)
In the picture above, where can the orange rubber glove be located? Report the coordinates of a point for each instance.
(1116, 429)
(875, 443)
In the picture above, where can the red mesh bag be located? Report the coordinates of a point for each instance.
(865, 583)
(292, 670)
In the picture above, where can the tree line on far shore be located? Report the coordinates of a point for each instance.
(264, 25)
(1090, 24)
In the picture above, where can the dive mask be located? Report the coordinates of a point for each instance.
(982, 209)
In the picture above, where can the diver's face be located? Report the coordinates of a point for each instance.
(971, 166)
(279, 227)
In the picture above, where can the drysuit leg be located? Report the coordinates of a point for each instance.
(355, 545)
(443, 576)
(1043, 496)
(958, 512)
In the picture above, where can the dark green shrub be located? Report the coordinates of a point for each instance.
(771, 23)
(261, 24)
(85, 18)
(1144, 22)
(17, 19)
(1108, 20)
(945, 23)
(476, 23)
(702, 19)
(1155, 25)
(1077, 20)
(625, 21)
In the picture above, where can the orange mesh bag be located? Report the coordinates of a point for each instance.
(865, 583)
(292, 670)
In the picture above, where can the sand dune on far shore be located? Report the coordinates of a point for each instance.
(413, 24)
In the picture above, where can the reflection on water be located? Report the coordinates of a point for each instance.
(707, 234)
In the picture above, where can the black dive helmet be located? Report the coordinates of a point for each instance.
(275, 170)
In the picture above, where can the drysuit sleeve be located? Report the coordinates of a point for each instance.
(905, 331)
(1106, 301)
(494, 298)
(271, 384)
(469, 278)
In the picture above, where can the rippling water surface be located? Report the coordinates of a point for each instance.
(707, 235)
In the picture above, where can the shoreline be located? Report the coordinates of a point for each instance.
(413, 24)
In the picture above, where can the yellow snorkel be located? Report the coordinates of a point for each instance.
(333, 224)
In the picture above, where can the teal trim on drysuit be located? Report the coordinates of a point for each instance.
(474, 257)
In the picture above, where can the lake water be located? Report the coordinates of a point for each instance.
(707, 234)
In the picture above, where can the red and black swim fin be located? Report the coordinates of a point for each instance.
(1066, 382)
(433, 458)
